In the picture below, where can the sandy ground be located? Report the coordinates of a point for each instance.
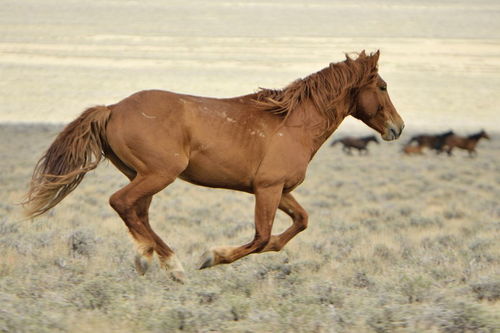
(395, 243)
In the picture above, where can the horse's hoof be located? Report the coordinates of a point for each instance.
(207, 260)
(178, 276)
(141, 264)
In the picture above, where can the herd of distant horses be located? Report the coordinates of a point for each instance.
(440, 143)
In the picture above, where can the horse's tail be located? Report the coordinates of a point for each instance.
(76, 150)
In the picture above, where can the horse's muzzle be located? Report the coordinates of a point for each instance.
(392, 132)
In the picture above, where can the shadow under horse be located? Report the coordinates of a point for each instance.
(350, 142)
(259, 143)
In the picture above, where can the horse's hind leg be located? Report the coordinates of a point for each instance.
(144, 255)
(292, 208)
(132, 203)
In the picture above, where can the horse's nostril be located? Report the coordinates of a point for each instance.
(394, 133)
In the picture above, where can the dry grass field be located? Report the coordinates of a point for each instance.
(395, 244)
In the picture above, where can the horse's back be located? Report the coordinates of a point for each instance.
(220, 141)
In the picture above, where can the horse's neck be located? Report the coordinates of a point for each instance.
(315, 124)
(475, 137)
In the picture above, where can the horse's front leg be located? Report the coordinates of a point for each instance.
(267, 199)
(292, 208)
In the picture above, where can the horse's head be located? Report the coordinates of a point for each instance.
(373, 105)
(445, 134)
(484, 135)
(373, 138)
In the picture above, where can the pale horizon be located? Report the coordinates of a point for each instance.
(441, 60)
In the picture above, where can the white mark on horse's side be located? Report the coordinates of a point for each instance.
(280, 134)
(148, 116)
(262, 135)
(252, 133)
(231, 120)
(176, 154)
(182, 100)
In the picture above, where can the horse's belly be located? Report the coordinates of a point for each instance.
(206, 171)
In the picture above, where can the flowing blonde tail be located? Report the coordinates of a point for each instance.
(76, 150)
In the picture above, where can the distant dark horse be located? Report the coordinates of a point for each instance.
(433, 142)
(360, 144)
(260, 143)
(467, 143)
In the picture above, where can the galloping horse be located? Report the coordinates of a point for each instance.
(467, 143)
(433, 142)
(260, 143)
(360, 144)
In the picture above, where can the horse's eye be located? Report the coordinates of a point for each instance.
(383, 88)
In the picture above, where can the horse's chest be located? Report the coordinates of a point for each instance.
(294, 181)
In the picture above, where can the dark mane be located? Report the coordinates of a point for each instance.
(476, 136)
(325, 89)
(369, 138)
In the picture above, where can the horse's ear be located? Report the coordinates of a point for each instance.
(375, 56)
(347, 58)
(362, 54)
(373, 60)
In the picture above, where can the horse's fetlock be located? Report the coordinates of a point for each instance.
(261, 242)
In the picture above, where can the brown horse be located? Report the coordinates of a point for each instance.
(468, 143)
(432, 141)
(360, 144)
(260, 143)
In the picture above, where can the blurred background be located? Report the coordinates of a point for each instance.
(440, 59)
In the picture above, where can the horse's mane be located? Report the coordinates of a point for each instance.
(368, 137)
(325, 89)
(445, 134)
(476, 136)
